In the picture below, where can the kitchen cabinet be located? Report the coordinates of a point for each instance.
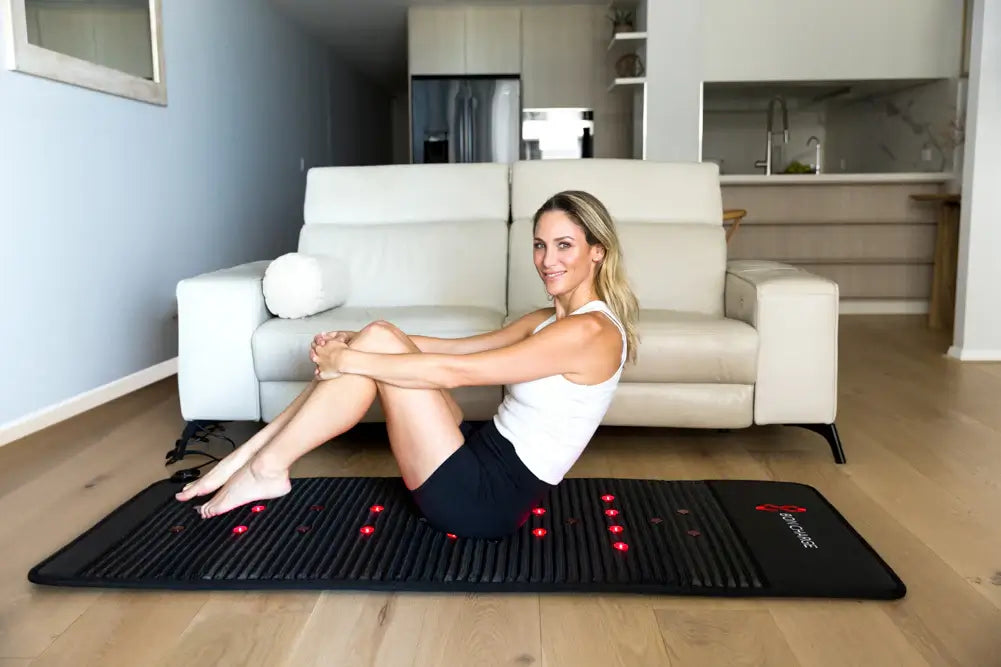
(558, 60)
(775, 40)
(493, 40)
(437, 40)
(464, 40)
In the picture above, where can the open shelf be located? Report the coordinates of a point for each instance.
(623, 37)
(627, 81)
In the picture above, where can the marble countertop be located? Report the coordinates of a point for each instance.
(823, 179)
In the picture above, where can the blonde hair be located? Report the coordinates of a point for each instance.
(610, 279)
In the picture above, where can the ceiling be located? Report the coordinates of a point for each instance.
(371, 35)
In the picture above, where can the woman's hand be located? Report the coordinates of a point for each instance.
(327, 355)
(340, 336)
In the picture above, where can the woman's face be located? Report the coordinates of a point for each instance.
(562, 255)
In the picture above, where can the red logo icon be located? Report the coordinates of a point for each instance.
(780, 508)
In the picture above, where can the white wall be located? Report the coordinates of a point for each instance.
(978, 302)
(674, 80)
(108, 202)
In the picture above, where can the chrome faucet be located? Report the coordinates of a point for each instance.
(809, 141)
(767, 162)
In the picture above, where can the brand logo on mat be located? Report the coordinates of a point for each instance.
(780, 508)
(787, 513)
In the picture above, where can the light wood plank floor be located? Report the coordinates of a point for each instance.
(923, 484)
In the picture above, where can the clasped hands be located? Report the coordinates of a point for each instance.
(325, 351)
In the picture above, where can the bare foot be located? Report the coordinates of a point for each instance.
(249, 483)
(221, 472)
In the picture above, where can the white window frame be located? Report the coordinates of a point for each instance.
(23, 56)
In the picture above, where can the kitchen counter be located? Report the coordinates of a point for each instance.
(866, 232)
(823, 179)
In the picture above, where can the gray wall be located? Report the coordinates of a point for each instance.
(105, 203)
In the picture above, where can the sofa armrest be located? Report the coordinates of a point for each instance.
(796, 315)
(217, 314)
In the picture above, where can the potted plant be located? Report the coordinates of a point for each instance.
(623, 20)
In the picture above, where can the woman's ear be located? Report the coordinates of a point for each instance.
(598, 252)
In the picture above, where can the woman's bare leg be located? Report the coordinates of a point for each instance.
(239, 457)
(422, 428)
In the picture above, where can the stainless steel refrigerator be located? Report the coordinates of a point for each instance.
(465, 119)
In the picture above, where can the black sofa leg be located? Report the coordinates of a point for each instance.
(830, 433)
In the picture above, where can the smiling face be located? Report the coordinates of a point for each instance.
(563, 258)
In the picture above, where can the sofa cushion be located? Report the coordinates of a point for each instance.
(413, 235)
(632, 190)
(406, 193)
(409, 264)
(669, 216)
(281, 347)
(670, 267)
(693, 347)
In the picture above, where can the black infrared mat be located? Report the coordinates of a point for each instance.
(709, 538)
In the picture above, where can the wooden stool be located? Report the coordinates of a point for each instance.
(942, 308)
(734, 215)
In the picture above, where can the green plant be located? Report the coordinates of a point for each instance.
(621, 17)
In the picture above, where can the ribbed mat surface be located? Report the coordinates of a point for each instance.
(645, 536)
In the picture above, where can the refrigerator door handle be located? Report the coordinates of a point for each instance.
(468, 157)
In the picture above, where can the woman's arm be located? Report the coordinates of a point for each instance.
(565, 347)
(512, 333)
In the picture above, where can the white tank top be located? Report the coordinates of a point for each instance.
(551, 420)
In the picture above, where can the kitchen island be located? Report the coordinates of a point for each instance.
(863, 231)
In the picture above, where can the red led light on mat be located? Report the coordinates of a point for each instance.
(611, 512)
(539, 511)
(616, 529)
(621, 546)
(608, 497)
(377, 508)
(539, 532)
(240, 529)
(367, 530)
(258, 508)
(452, 536)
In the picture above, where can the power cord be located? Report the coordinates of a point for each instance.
(197, 431)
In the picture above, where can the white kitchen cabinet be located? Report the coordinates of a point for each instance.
(493, 40)
(557, 59)
(464, 40)
(436, 41)
(777, 40)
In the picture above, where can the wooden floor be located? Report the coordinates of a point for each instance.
(922, 434)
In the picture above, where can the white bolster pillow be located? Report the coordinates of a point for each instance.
(299, 284)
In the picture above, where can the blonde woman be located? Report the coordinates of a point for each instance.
(561, 366)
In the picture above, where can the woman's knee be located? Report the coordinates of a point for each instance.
(379, 335)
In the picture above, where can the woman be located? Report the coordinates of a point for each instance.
(561, 364)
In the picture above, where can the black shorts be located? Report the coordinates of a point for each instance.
(483, 489)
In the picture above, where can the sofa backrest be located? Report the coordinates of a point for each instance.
(416, 234)
(669, 220)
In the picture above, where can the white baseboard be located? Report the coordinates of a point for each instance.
(966, 354)
(883, 307)
(88, 400)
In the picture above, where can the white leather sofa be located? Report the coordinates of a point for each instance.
(445, 250)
